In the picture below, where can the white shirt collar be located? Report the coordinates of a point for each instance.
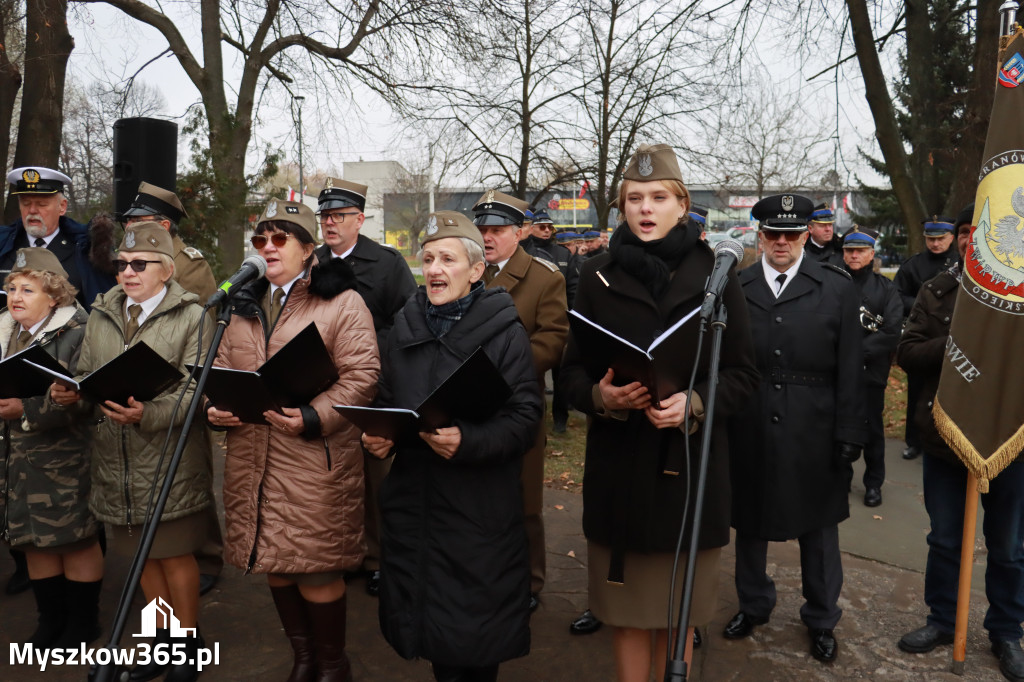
(771, 273)
(48, 238)
(343, 255)
(148, 306)
(34, 328)
(287, 286)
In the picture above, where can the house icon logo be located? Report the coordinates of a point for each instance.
(157, 613)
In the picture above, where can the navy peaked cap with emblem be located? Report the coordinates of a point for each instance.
(783, 212)
(498, 208)
(822, 214)
(860, 238)
(444, 224)
(937, 226)
(541, 217)
(699, 214)
(37, 180)
(152, 201)
(339, 193)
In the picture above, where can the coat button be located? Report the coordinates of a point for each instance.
(777, 352)
(775, 419)
(778, 318)
(945, 319)
(778, 387)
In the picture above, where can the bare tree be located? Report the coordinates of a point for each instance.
(411, 188)
(374, 43)
(11, 48)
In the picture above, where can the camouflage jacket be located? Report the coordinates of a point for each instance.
(44, 463)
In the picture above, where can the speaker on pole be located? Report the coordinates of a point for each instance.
(145, 150)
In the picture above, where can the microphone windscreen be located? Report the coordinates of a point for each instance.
(729, 246)
(257, 262)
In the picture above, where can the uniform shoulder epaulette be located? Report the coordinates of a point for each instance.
(193, 253)
(548, 264)
(836, 268)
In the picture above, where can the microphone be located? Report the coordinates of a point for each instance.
(728, 252)
(252, 268)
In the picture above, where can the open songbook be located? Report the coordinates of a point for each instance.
(19, 376)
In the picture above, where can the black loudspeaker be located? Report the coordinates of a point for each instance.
(145, 150)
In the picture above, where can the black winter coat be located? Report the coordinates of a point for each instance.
(786, 478)
(878, 295)
(920, 268)
(630, 503)
(831, 253)
(455, 576)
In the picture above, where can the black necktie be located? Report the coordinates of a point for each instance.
(779, 281)
(40, 242)
(490, 273)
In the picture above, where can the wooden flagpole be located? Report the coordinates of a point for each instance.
(963, 600)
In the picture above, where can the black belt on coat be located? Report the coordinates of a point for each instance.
(785, 376)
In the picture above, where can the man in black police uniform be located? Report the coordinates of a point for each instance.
(823, 244)
(881, 317)
(792, 444)
(385, 282)
(542, 244)
(939, 255)
(699, 217)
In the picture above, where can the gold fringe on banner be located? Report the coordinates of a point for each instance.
(984, 469)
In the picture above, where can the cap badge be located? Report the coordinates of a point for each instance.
(644, 165)
(431, 226)
(129, 239)
(21, 260)
(787, 202)
(153, 241)
(449, 221)
(329, 185)
(272, 209)
(31, 176)
(490, 196)
(291, 209)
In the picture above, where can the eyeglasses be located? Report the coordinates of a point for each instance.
(790, 235)
(136, 265)
(334, 217)
(279, 239)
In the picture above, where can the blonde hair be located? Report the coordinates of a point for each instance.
(56, 287)
(675, 186)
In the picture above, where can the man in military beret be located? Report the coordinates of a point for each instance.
(158, 205)
(881, 318)
(791, 446)
(84, 252)
(822, 242)
(385, 282)
(939, 255)
(162, 206)
(538, 290)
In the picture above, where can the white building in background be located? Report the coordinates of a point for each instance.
(379, 177)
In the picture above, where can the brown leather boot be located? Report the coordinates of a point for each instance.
(291, 609)
(328, 627)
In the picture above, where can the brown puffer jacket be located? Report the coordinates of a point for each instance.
(294, 504)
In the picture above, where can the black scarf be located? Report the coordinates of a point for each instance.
(441, 318)
(652, 262)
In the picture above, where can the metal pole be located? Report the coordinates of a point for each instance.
(302, 187)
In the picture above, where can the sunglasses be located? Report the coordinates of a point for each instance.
(136, 265)
(790, 235)
(334, 217)
(279, 239)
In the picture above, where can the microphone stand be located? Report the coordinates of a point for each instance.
(111, 672)
(676, 669)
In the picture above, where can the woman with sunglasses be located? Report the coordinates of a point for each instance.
(633, 504)
(293, 487)
(44, 468)
(128, 454)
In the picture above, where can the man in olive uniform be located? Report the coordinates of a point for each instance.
(881, 318)
(159, 205)
(193, 273)
(939, 255)
(538, 290)
(385, 282)
(792, 444)
(822, 242)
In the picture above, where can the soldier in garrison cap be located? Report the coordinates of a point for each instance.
(881, 318)
(385, 282)
(159, 205)
(823, 244)
(85, 252)
(806, 417)
(538, 290)
(939, 255)
(194, 274)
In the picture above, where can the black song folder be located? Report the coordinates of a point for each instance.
(298, 372)
(474, 391)
(19, 379)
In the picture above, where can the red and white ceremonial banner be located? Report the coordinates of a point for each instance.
(979, 409)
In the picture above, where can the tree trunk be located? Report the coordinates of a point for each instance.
(10, 80)
(886, 130)
(48, 46)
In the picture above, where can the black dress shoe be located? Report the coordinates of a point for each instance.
(741, 625)
(824, 646)
(1011, 659)
(923, 640)
(534, 601)
(373, 584)
(207, 581)
(911, 452)
(872, 497)
(585, 624)
(697, 640)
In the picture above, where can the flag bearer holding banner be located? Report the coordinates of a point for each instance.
(979, 409)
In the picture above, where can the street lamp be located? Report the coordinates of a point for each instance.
(302, 189)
